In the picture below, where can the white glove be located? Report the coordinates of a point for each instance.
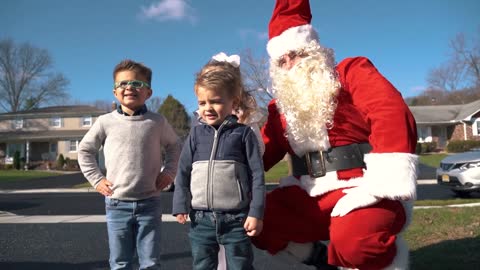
(356, 197)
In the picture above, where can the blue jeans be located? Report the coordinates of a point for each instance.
(209, 229)
(134, 226)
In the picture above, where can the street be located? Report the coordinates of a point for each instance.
(67, 231)
(62, 241)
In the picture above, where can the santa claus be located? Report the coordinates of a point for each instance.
(351, 138)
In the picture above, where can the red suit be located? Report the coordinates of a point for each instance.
(367, 218)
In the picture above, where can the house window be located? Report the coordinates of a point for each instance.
(18, 123)
(53, 148)
(73, 146)
(14, 147)
(424, 134)
(476, 128)
(86, 121)
(56, 122)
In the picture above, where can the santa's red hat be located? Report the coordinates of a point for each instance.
(290, 27)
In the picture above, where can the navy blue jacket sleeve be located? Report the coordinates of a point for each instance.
(255, 164)
(182, 195)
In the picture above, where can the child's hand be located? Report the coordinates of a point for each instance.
(104, 187)
(182, 218)
(253, 226)
(163, 180)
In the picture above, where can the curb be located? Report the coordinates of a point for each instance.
(91, 189)
(47, 190)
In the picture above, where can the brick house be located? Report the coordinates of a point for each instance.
(443, 123)
(45, 133)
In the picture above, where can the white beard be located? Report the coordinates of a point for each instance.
(306, 95)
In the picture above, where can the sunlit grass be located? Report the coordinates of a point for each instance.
(18, 175)
(444, 238)
(276, 172)
(432, 160)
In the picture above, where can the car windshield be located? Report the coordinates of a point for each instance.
(472, 156)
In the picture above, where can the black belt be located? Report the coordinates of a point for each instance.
(318, 163)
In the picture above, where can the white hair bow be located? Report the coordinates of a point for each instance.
(233, 59)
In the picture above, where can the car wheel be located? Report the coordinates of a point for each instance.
(461, 193)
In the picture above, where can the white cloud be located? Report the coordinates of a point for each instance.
(169, 10)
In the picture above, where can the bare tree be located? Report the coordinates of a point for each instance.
(469, 56)
(448, 76)
(461, 70)
(256, 77)
(26, 79)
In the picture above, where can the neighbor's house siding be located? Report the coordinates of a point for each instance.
(43, 139)
(467, 130)
(444, 123)
(460, 134)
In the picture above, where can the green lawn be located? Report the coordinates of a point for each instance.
(276, 172)
(444, 239)
(432, 160)
(446, 202)
(18, 175)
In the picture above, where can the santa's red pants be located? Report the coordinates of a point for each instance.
(364, 238)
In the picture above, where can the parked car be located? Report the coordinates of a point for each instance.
(461, 172)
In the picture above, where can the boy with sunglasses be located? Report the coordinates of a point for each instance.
(133, 139)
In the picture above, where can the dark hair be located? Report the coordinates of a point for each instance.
(136, 67)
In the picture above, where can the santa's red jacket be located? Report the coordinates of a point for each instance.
(371, 110)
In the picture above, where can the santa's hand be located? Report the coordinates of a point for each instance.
(356, 197)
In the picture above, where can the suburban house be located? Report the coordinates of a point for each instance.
(443, 123)
(45, 133)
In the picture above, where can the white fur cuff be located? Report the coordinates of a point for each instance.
(391, 175)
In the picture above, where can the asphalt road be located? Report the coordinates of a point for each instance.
(71, 245)
(51, 244)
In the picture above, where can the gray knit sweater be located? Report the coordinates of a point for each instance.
(132, 146)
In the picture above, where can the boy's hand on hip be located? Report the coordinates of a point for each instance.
(163, 180)
(253, 226)
(104, 187)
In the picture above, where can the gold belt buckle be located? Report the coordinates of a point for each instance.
(316, 164)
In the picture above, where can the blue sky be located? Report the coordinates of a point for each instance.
(86, 39)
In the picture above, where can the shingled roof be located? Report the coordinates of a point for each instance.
(445, 114)
(42, 135)
(65, 111)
